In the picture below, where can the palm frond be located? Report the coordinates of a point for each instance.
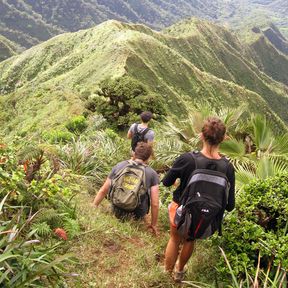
(244, 175)
(280, 146)
(262, 133)
(231, 116)
(233, 148)
(166, 151)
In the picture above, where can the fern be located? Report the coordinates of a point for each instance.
(72, 227)
(42, 229)
(50, 216)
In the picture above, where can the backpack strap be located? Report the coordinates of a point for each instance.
(136, 128)
(143, 133)
(195, 155)
(202, 163)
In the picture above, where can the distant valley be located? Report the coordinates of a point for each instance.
(30, 22)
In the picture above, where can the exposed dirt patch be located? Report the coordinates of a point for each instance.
(138, 242)
(111, 246)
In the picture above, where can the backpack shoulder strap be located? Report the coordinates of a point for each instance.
(227, 161)
(136, 128)
(145, 131)
(197, 159)
(201, 161)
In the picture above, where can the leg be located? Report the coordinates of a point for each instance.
(172, 250)
(185, 254)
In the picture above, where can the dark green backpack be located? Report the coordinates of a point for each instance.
(128, 185)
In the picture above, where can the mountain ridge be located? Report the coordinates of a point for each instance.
(59, 72)
(29, 22)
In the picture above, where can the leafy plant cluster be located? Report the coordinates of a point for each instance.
(34, 212)
(121, 100)
(73, 128)
(258, 226)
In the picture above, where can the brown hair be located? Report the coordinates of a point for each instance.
(213, 131)
(146, 116)
(143, 151)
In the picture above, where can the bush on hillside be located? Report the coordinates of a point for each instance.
(258, 225)
(121, 101)
(57, 136)
(77, 124)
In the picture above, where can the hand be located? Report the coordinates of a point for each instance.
(153, 229)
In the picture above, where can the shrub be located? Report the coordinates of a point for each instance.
(258, 225)
(57, 136)
(77, 124)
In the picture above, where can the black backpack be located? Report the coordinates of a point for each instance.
(204, 199)
(138, 136)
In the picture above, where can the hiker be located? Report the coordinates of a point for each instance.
(141, 132)
(213, 133)
(133, 186)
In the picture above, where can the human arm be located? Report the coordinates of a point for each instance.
(181, 164)
(130, 131)
(154, 195)
(129, 134)
(103, 191)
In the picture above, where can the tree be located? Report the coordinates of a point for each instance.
(121, 100)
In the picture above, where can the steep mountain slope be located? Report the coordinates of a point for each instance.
(28, 22)
(45, 85)
(263, 43)
(7, 48)
(215, 50)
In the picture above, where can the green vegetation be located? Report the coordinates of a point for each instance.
(77, 125)
(7, 48)
(49, 84)
(262, 215)
(36, 22)
(65, 104)
(101, 246)
(122, 100)
(32, 207)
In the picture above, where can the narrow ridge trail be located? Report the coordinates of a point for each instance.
(112, 253)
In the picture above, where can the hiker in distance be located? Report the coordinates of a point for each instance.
(206, 190)
(141, 132)
(133, 187)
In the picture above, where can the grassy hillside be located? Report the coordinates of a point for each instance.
(269, 49)
(117, 254)
(48, 83)
(29, 22)
(216, 50)
(7, 48)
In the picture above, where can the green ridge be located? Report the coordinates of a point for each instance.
(29, 22)
(45, 85)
